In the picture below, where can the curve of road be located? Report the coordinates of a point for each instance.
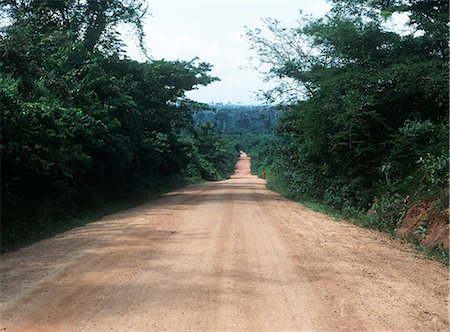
(223, 256)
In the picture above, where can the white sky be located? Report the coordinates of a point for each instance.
(214, 31)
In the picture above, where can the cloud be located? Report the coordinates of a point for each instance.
(213, 31)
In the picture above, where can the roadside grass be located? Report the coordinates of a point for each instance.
(363, 220)
(322, 208)
(437, 254)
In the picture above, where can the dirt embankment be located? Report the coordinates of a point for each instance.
(225, 256)
(425, 224)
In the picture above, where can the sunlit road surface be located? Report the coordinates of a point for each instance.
(223, 256)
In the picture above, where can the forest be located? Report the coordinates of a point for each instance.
(357, 122)
(84, 128)
(245, 127)
(364, 124)
(239, 119)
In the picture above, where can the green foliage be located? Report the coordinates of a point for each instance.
(238, 119)
(364, 123)
(245, 128)
(434, 169)
(216, 150)
(83, 126)
(263, 151)
(386, 213)
(440, 254)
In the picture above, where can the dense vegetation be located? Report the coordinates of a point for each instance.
(364, 128)
(82, 125)
(239, 119)
(247, 128)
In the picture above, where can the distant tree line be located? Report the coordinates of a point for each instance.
(239, 119)
(246, 127)
(83, 126)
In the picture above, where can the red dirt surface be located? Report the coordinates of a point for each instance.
(223, 256)
(242, 166)
(435, 222)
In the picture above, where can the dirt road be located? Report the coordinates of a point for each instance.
(224, 256)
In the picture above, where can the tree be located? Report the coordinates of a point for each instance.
(356, 94)
(81, 124)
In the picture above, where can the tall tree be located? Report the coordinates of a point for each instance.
(81, 124)
(365, 103)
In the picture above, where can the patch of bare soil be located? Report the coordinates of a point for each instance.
(422, 223)
(242, 166)
(224, 256)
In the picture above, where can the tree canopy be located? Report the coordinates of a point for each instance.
(365, 107)
(82, 124)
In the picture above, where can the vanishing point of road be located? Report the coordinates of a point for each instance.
(221, 256)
